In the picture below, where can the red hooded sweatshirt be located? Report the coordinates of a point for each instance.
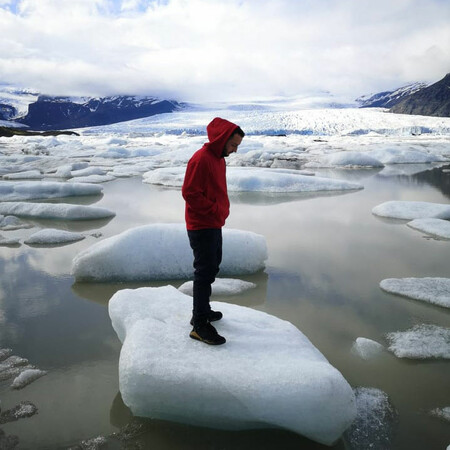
(205, 185)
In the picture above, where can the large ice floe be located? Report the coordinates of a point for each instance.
(61, 211)
(31, 190)
(433, 290)
(162, 252)
(421, 342)
(250, 179)
(405, 156)
(267, 375)
(434, 227)
(407, 210)
(347, 160)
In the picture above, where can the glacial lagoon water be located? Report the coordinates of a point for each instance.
(327, 256)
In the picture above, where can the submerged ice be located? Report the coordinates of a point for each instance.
(162, 252)
(434, 227)
(239, 385)
(61, 211)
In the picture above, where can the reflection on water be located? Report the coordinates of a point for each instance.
(327, 256)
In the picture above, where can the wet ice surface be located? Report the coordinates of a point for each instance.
(51, 236)
(421, 342)
(250, 382)
(367, 348)
(162, 252)
(327, 255)
(434, 227)
(431, 290)
(409, 210)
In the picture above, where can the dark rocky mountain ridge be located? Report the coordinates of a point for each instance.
(49, 113)
(433, 100)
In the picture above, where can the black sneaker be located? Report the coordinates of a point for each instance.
(213, 316)
(207, 334)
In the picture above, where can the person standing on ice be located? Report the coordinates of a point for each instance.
(207, 207)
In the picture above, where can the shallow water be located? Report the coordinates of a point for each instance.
(327, 255)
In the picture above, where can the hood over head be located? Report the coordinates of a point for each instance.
(219, 131)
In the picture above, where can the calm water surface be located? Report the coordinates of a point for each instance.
(327, 255)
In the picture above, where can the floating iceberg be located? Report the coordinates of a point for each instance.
(8, 223)
(250, 179)
(92, 179)
(268, 374)
(405, 156)
(6, 242)
(162, 252)
(421, 342)
(430, 290)
(26, 175)
(26, 377)
(31, 190)
(346, 159)
(434, 227)
(51, 236)
(366, 348)
(222, 286)
(412, 210)
(60, 211)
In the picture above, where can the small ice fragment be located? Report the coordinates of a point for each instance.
(442, 413)
(366, 348)
(26, 377)
(433, 290)
(52, 236)
(421, 342)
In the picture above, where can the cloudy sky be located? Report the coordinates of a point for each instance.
(210, 50)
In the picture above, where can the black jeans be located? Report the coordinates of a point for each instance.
(207, 247)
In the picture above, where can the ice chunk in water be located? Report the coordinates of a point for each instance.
(52, 236)
(434, 227)
(421, 342)
(26, 377)
(412, 210)
(431, 290)
(162, 252)
(268, 374)
(366, 348)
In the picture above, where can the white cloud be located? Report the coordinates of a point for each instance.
(218, 50)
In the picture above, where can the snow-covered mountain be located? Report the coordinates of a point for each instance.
(387, 99)
(41, 112)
